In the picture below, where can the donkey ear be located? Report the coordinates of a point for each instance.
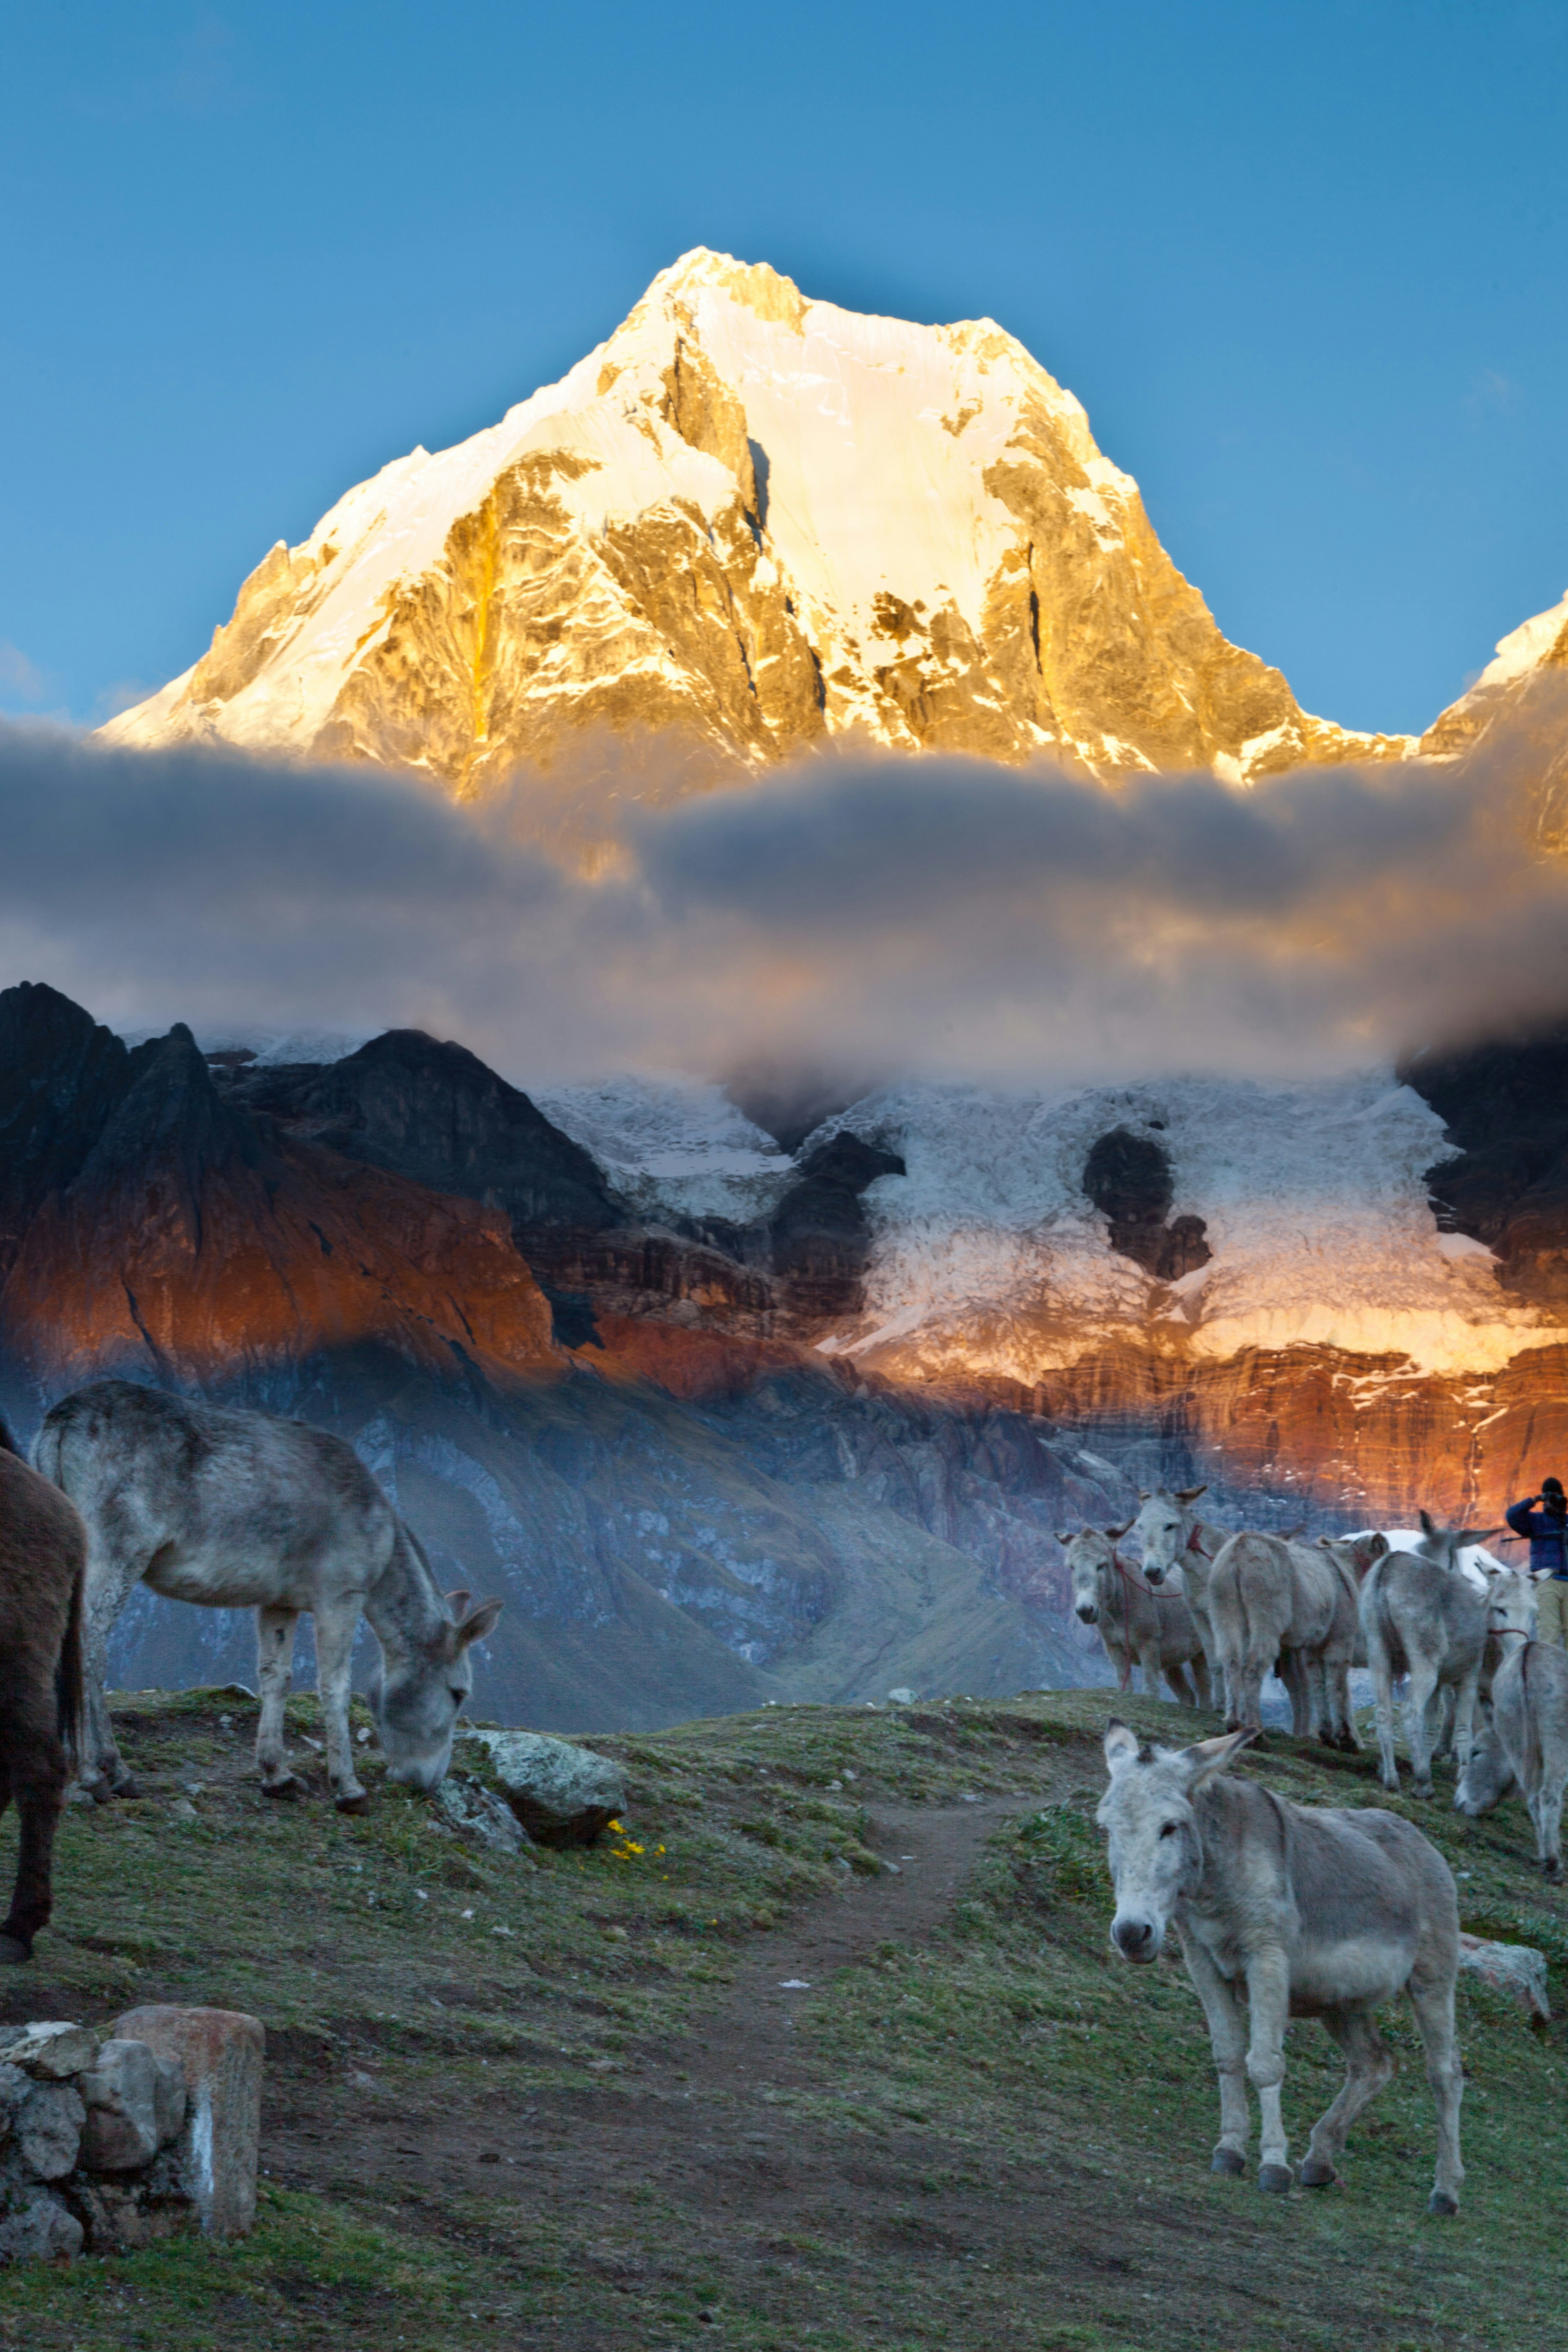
(1210, 1755)
(1116, 1534)
(1064, 1537)
(457, 1605)
(1120, 1746)
(478, 1624)
(1191, 1494)
(1464, 1537)
(1428, 1524)
(1145, 1495)
(1377, 1547)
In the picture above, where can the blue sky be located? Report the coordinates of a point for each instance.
(1306, 265)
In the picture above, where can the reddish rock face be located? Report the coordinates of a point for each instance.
(192, 1244)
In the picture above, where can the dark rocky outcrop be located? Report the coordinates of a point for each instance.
(436, 1114)
(819, 1239)
(1128, 1178)
(61, 1076)
(1505, 1105)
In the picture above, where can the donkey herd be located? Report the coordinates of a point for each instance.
(1279, 1909)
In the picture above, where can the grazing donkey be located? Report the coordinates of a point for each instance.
(1285, 1910)
(1527, 1740)
(1421, 1617)
(43, 1558)
(242, 1510)
(1271, 1600)
(1156, 1629)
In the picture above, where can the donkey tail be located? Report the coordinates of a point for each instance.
(70, 1702)
(48, 1450)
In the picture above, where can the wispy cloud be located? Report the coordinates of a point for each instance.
(21, 681)
(937, 915)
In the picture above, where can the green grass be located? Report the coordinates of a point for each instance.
(1031, 2119)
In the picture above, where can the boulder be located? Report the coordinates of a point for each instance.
(218, 2053)
(50, 2053)
(477, 1811)
(135, 2102)
(562, 1794)
(1518, 1969)
(47, 2134)
(14, 2088)
(40, 2229)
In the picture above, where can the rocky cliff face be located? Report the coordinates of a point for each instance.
(757, 522)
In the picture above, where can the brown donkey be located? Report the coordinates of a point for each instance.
(43, 1564)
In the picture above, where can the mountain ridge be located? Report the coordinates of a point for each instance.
(755, 524)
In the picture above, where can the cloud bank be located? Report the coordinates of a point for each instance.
(938, 915)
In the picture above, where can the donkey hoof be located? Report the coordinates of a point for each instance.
(14, 1954)
(1442, 2204)
(1551, 1867)
(288, 1787)
(1423, 1788)
(1317, 2172)
(126, 1786)
(360, 1804)
(1225, 2159)
(1276, 2179)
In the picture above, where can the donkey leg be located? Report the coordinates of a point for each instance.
(111, 1578)
(1433, 2007)
(1199, 1669)
(1418, 1727)
(1180, 1688)
(1269, 2000)
(1369, 2069)
(1383, 1704)
(39, 1791)
(275, 1631)
(337, 1623)
(1465, 1717)
(1550, 1818)
(1337, 1681)
(1227, 2040)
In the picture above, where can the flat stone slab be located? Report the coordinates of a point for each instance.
(218, 2053)
(562, 1794)
(49, 2053)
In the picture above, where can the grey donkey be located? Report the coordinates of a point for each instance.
(1421, 1617)
(1138, 1626)
(243, 1510)
(1527, 1742)
(1270, 1600)
(1285, 1910)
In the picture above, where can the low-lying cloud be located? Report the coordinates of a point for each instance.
(936, 915)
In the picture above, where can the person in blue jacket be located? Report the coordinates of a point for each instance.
(1548, 1531)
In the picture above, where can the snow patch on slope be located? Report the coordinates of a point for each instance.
(989, 1256)
(673, 1146)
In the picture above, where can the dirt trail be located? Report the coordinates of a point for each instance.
(710, 2126)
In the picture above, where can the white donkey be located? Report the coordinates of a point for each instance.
(242, 1510)
(1285, 1910)
(1180, 1548)
(1138, 1626)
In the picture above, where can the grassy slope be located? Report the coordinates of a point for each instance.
(1001, 2066)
